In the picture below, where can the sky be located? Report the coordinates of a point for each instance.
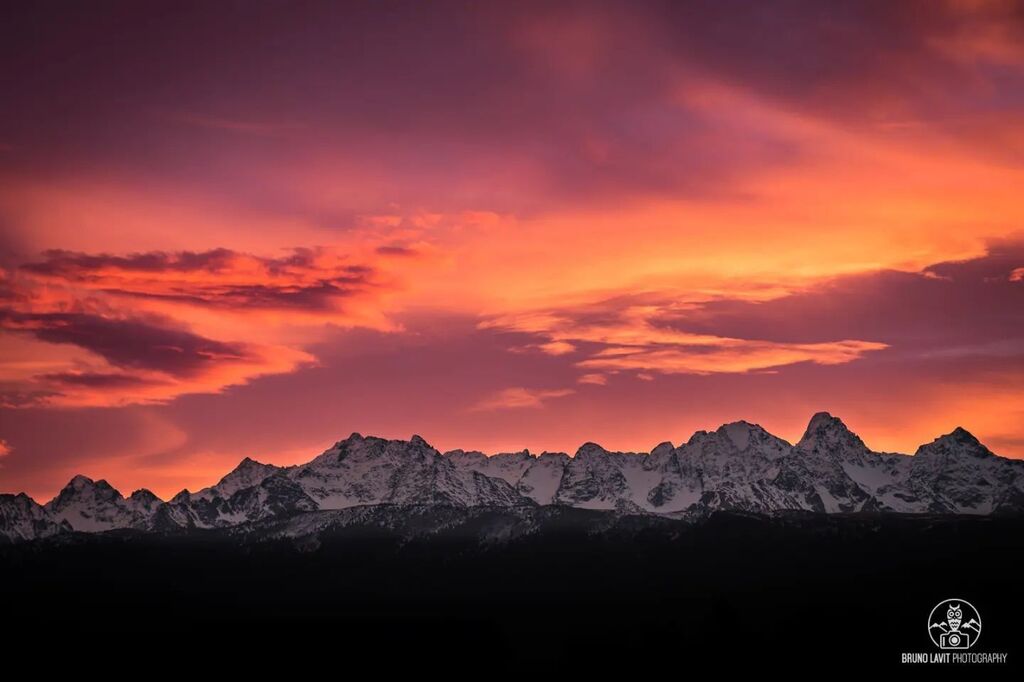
(252, 228)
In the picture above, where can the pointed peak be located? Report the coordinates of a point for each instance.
(23, 498)
(962, 434)
(824, 420)
(418, 440)
(143, 494)
(80, 482)
(829, 433)
(249, 464)
(183, 496)
(956, 442)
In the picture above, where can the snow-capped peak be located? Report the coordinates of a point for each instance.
(827, 432)
(248, 473)
(80, 486)
(81, 482)
(144, 496)
(739, 433)
(90, 506)
(958, 442)
(735, 438)
(22, 518)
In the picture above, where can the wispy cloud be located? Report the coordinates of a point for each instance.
(557, 347)
(731, 357)
(624, 334)
(519, 397)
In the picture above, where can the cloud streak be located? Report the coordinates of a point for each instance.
(517, 397)
(734, 356)
(309, 279)
(634, 334)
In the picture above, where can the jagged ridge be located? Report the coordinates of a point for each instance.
(740, 466)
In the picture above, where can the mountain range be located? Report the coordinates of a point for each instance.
(738, 467)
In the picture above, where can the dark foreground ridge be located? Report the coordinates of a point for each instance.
(738, 467)
(524, 589)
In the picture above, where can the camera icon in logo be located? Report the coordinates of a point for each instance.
(954, 640)
(954, 624)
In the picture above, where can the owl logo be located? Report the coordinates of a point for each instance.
(954, 624)
(954, 616)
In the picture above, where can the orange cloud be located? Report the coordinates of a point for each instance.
(557, 348)
(519, 397)
(639, 336)
(733, 356)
